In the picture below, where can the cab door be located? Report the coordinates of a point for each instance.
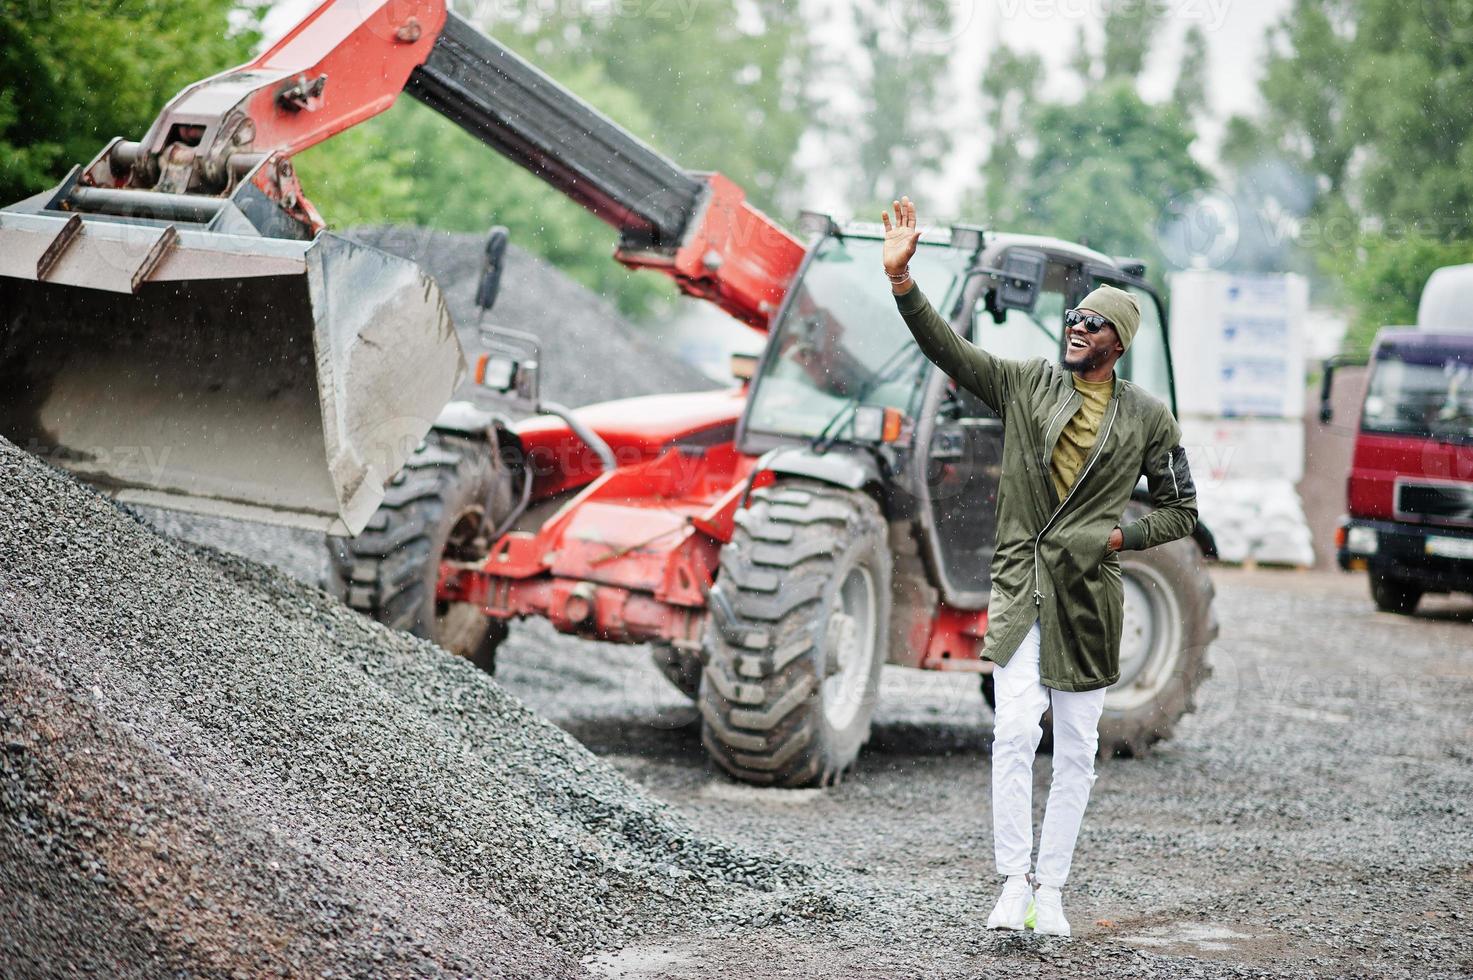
(959, 496)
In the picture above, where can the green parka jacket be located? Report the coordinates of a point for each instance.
(1053, 562)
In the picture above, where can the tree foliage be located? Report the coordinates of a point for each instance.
(903, 80)
(1386, 274)
(74, 75)
(1096, 171)
(719, 85)
(1010, 86)
(1190, 92)
(1100, 169)
(1366, 99)
(1130, 28)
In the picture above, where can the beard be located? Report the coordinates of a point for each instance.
(1085, 360)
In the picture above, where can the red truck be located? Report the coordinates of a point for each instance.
(1409, 496)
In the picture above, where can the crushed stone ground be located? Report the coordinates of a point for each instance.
(209, 769)
(222, 770)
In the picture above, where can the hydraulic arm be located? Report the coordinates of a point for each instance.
(179, 326)
(348, 61)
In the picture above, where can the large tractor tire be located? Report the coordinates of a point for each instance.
(796, 637)
(444, 504)
(1168, 625)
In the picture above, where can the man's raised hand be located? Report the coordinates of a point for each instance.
(900, 236)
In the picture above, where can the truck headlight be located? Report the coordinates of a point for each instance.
(1361, 540)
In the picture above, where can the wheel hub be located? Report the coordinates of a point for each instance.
(1150, 640)
(843, 636)
(849, 648)
(459, 626)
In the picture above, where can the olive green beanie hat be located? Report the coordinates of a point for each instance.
(1117, 306)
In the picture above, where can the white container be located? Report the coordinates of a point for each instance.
(1220, 449)
(1238, 343)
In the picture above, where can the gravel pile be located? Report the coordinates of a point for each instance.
(589, 352)
(207, 766)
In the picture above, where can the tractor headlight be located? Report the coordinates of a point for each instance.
(875, 423)
(1361, 540)
(869, 423)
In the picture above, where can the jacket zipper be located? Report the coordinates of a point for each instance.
(1114, 408)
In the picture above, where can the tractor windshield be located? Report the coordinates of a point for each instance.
(839, 338)
(1424, 390)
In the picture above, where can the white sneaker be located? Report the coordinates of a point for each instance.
(1048, 913)
(1012, 905)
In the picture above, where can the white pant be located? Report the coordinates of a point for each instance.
(1021, 701)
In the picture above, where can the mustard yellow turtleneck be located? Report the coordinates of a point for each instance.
(1080, 433)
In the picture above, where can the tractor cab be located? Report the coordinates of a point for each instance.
(842, 376)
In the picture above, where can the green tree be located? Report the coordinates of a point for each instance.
(1104, 166)
(1130, 28)
(1010, 86)
(1366, 99)
(74, 75)
(1306, 80)
(1097, 171)
(1384, 277)
(903, 87)
(1081, 59)
(1190, 93)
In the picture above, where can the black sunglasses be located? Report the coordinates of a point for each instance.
(1093, 322)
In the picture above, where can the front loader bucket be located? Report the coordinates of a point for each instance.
(239, 376)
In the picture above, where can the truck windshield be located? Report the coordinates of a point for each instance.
(1423, 391)
(839, 331)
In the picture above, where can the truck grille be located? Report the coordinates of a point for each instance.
(1447, 502)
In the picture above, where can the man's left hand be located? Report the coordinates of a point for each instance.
(1117, 540)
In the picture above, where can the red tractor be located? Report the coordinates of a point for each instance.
(776, 544)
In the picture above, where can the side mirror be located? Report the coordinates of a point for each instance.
(1018, 282)
(492, 264)
(1327, 382)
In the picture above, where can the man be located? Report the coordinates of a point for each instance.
(1076, 440)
